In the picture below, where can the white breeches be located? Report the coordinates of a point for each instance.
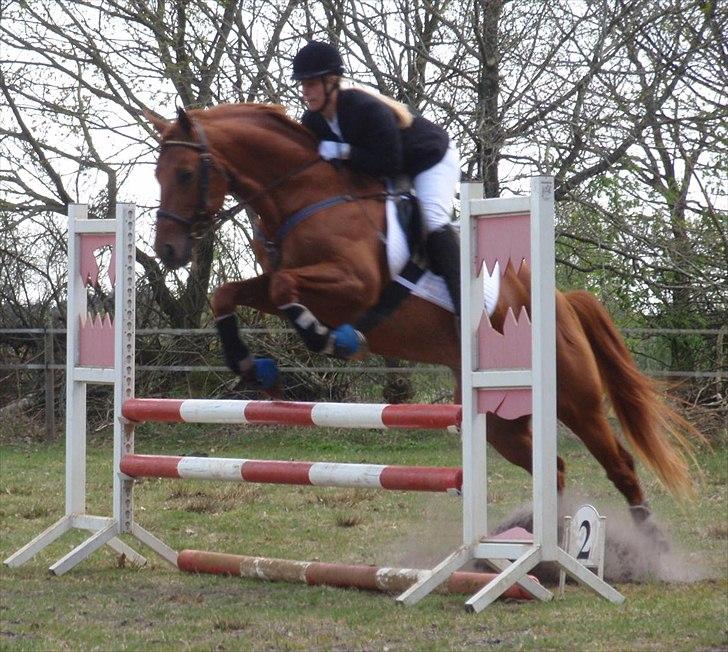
(435, 190)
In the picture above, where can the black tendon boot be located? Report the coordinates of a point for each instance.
(443, 250)
(263, 372)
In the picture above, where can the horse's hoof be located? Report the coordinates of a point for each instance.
(640, 513)
(645, 523)
(265, 372)
(348, 342)
(260, 376)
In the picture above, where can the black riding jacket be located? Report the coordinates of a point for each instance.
(378, 146)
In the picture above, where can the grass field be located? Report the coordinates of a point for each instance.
(105, 605)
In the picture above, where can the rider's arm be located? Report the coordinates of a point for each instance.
(370, 128)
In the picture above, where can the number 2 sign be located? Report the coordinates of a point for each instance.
(583, 538)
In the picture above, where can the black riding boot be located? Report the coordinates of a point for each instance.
(443, 250)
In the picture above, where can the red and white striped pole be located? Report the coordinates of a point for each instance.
(327, 415)
(323, 474)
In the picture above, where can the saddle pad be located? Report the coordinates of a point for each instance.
(430, 287)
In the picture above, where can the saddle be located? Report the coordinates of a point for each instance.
(408, 214)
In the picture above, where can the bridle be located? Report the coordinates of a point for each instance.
(199, 224)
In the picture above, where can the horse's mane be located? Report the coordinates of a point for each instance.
(271, 116)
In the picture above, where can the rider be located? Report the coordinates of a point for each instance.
(379, 136)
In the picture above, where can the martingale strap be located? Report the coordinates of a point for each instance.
(306, 212)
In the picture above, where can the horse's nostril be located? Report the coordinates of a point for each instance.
(167, 254)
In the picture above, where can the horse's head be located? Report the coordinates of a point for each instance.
(193, 188)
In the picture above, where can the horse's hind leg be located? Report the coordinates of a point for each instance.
(591, 426)
(581, 408)
(513, 440)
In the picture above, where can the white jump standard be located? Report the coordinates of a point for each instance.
(512, 374)
(98, 351)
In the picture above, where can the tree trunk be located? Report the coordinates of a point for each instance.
(487, 16)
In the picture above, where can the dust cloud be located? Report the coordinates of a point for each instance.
(632, 553)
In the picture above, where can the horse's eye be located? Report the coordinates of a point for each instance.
(184, 176)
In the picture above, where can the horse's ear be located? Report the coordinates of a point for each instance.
(159, 124)
(184, 120)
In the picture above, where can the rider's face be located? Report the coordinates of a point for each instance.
(314, 92)
(314, 95)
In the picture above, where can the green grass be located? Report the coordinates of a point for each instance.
(100, 605)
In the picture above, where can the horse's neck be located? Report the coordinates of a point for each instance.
(265, 164)
(280, 173)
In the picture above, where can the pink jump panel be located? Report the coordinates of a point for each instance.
(510, 350)
(96, 341)
(506, 403)
(503, 238)
(88, 265)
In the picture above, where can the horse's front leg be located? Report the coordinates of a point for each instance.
(327, 291)
(253, 293)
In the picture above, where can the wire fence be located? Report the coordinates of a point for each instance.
(32, 364)
(49, 334)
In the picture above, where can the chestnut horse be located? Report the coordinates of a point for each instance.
(333, 264)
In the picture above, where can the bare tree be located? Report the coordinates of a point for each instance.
(76, 78)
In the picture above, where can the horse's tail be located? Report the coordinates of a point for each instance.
(658, 433)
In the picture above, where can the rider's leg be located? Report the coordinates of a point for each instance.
(443, 250)
(435, 189)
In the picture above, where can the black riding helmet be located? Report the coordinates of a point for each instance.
(316, 59)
